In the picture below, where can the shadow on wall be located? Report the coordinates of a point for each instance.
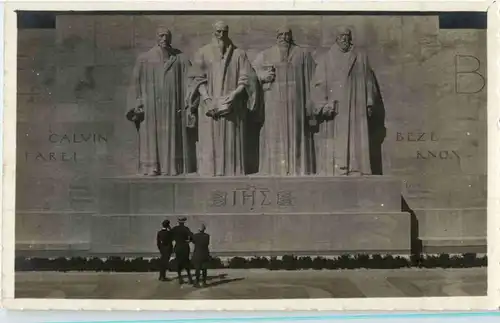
(416, 243)
(377, 131)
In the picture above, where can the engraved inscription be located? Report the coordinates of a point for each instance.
(265, 193)
(248, 197)
(218, 198)
(284, 198)
(412, 186)
(65, 138)
(251, 197)
(77, 138)
(50, 156)
(438, 154)
(416, 136)
(426, 137)
(467, 73)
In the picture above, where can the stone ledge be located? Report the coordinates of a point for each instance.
(264, 233)
(454, 245)
(469, 241)
(174, 217)
(451, 223)
(52, 230)
(197, 178)
(252, 194)
(55, 212)
(456, 241)
(52, 246)
(32, 253)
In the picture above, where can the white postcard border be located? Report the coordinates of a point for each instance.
(7, 196)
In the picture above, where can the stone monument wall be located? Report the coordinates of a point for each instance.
(72, 94)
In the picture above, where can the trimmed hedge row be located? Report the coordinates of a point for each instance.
(288, 262)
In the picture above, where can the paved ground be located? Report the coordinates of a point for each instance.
(257, 284)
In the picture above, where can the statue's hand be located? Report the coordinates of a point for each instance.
(130, 115)
(190, 120)
(139, 110)
(136, 114)
(313, 121)
(225, 105)
(329, 111)
(208, 101)
(317, 110)
(268, 76)
(213, 110)
(369, 110)
(230, 98)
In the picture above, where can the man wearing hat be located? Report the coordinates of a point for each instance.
(182, 236)
(201, 254)
(164, 244)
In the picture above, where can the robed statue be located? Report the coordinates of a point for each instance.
(344, 90)
(222, 91)
(285, 71)
(158, 88)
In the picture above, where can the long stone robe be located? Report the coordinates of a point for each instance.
(221, 142)
(343, 144)
(159, 86)
(286, 147)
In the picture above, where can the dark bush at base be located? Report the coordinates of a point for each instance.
(287, 262)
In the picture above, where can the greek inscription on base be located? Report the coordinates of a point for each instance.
(252, 197)
(218, 198)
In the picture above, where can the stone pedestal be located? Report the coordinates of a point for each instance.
(255, 215)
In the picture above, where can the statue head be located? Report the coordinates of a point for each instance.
(163, 37)
(221, 31)
(202, 227)
(344, 38)
(284, 35)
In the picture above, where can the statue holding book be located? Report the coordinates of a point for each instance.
(301, 118)
(222, 89)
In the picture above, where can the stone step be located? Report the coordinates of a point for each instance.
(264, 233)
(52, 246)
(236, 195)
(460, 245)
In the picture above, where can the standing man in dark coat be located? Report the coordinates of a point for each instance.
(347, 99)
(164, 244)
(182, 236)
(201, 254)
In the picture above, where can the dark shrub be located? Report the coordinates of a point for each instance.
(304, 263)
(288, 262)
(237, 263)
(274, 264)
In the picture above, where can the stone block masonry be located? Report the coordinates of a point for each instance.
(75, 78)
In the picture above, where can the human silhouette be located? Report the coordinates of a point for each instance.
(182, 236)
(164, 244)
(201, 254)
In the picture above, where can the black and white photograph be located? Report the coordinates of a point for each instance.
(251, 155)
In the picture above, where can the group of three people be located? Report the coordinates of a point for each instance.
(312, 116)
(176, 240)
